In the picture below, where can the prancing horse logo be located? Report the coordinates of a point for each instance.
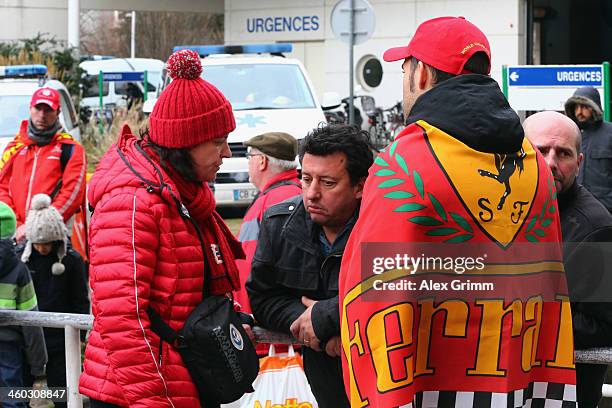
(506, 165)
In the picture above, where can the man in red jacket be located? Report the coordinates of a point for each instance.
(272, 169)
(43, 158)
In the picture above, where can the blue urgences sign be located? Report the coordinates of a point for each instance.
(123, 76)
(281, 24)
(555, 76)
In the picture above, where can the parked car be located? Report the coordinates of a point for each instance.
(268, 92)
(17, 85)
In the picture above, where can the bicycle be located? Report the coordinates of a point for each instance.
(395, 120)
(380, 134)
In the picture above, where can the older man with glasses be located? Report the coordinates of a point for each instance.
(272, 169)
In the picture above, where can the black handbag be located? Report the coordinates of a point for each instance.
(214, 346)
(215, 349)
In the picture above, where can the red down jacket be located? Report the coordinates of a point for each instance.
(142, 253)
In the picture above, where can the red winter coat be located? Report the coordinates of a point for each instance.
(142, 253)
(29, 169)
(279, 188)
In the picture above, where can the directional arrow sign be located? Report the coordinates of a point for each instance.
(556, 76)
(123, 76)
(547, 87)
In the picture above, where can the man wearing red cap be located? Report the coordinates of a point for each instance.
(43, 159)
(452, 289)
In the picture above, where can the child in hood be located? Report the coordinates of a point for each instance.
(20, 346)
(59, 279)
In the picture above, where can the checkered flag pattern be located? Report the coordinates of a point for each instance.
(537, 395)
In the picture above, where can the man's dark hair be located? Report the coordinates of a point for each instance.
(339, 138)
(477, 64)
(179, 159)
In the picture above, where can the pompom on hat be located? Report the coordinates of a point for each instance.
(190, 110)
(44, 224)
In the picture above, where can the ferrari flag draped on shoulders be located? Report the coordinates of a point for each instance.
(494, 332)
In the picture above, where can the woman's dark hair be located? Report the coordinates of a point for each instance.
(339, 138)
(179, 159)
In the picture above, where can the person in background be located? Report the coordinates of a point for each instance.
(272, 169)
(58, 274)
(20, 346)
(43, 158)
(293, 287)
(585, 225)
(584, 108)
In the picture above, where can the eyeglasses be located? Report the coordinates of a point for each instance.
(249, 155)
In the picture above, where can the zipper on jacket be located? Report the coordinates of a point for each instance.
(32, 178)
(186, 215)
(161, 349)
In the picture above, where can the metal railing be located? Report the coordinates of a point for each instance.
(72, 323)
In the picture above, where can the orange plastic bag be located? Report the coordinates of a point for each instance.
(281, 383)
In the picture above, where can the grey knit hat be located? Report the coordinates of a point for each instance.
(44, 224)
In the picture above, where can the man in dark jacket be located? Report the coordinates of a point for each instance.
(584, 108)
(585, 224)
(293, 287)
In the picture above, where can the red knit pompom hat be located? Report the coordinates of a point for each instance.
(190, 110)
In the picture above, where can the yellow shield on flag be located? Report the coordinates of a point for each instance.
(497, 189)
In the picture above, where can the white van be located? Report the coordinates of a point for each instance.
(115, 93)
(268, 93)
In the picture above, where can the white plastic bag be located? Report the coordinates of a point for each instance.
(281, 382)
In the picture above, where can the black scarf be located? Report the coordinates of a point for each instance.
(43, 137)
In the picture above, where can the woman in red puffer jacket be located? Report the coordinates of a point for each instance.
(145, 253)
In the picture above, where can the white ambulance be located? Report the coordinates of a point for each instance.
(268, 92)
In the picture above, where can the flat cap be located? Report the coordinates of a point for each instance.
(279, 145)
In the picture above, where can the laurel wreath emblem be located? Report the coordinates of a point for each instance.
(540, 222)
(407, 188)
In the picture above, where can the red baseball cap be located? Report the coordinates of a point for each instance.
(445, 43)
(48, 96)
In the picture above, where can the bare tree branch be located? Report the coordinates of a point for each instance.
(156, 32)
